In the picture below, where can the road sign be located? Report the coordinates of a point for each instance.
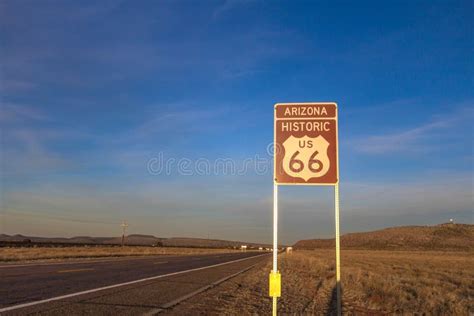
(306, 150)
(306, 153)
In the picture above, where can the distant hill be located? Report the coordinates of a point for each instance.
(439, 237)
(211, 243)
(131, 240)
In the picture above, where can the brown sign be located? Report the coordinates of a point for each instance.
(306, 149)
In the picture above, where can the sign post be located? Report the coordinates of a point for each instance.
(275, 278)
(306, 153)
(338, 255)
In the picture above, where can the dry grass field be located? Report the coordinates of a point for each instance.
(374, 283)
(47, 253)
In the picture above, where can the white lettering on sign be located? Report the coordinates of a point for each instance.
(306, 111)
(305, 126)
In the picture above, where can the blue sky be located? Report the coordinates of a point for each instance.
(92, 92)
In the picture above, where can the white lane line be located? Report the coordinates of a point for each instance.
(75, 262)
(75, 270)
(123, 258)
(10, 308)
(168, 305)
(204, 288)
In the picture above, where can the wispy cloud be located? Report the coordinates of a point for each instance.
(12, 85)
(413, 139)
(26, 152)
(176, 121)
(432, 193)
(173, 121)
(383, 107)
(28, 139)
(11, 112)
(227, 6)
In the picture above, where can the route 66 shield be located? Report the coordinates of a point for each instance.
(306, 157)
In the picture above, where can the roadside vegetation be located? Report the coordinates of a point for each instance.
(22, 254)
(374, 282)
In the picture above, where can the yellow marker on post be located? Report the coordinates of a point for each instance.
(275, 284)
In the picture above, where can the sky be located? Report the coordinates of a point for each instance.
(160, 113)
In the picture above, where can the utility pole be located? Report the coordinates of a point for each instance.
(124, 228)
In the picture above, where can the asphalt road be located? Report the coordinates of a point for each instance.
(108, 286)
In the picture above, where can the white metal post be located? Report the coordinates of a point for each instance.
(338, 268)
(275, 238)
(275, 227)
(124, 228)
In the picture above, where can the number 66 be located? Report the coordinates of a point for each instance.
(296, 165)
